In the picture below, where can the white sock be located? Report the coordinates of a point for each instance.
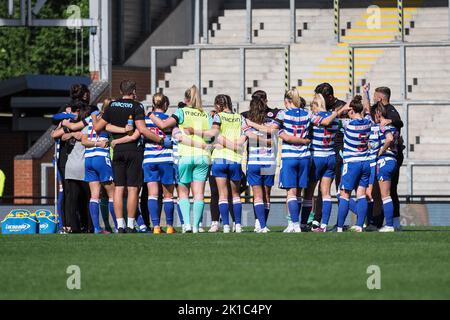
(130, 223)
(323, 226)
(339, 229)
(120, 223)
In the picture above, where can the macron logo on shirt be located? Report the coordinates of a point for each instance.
(122, 104)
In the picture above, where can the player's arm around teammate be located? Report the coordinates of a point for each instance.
(387, 164)
(194, 162)
(356, 169)
(261, 162)
(98, 171)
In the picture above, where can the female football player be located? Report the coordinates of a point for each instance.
(226, 158)
(386, 165)
(356, 168)
(194, 162)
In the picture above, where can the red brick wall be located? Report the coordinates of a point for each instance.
(27, 179)
(23, 180)
(140, 75)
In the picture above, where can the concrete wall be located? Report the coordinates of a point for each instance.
(176, 30)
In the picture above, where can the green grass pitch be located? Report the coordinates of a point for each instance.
(414, 264)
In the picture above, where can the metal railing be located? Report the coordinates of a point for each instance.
(402, 46)
(198, 61)
(203, 10)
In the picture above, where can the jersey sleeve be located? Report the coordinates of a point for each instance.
(139, 112)
(216, 120)
(179, 116)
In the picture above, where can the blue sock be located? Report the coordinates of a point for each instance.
(59, 208)
(237, 209)
(388, 208)
(326, 210)
(223, 209)
(266, 210)
(153, 208)
(342, 211)
(168, 209)
(306, 210)
(370, 212)
(353, 205)
(361, 211)
(180, 215)
(293, 209)
(140, 220)
(260, 213)
(112, 212)
(94, 210)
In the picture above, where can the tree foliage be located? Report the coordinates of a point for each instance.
(44, 50)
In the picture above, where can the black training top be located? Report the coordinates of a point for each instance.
(118, 114)
(392, 114)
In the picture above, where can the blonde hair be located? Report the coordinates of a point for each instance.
(293, 96)
(319, 102)
(193, 95)
(160, 101)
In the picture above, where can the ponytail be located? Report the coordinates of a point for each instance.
(221, 102)
(293, 96)
(193, 96)
(257, 112)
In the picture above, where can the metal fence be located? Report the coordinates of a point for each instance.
(198, 61)
(201, 20)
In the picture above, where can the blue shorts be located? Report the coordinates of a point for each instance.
(98, 169)
(355, 174)
(226, 169)
(323, 167)
(385, 169)
(373, 172)
(256, 175)
(159, 172)
(294, 173)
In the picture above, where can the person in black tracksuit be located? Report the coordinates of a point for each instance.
(383, 95)
(332, 103)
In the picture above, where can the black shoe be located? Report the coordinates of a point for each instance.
(130, 230)
(121, 230)
(314, 226)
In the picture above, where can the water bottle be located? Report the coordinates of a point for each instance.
(130, 122)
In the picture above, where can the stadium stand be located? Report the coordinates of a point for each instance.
(316, 58)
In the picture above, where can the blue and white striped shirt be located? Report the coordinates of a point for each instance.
(322, 142)
(96, 137)
(374, 143)
(356, 139)
(391, 153)
(295, 123)
(262, 155)
(155, 153)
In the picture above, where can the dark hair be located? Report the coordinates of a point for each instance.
(356, 104)
(79, 92)
(257, 112)
(127, 87)
(229, 102)
(262, 95)
(384, 91)
(325, 89)
(82, 108)
(381, 109)
(221, 101)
